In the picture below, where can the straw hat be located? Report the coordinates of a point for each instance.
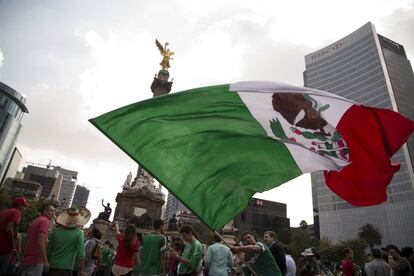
(74, 217)
(229, 239)
(307, 252)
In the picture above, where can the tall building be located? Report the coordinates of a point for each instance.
(29, 189)
(61, 180)
(80, 199)
(13, 165)
(372, 70)
(67, 189)
(12, 108)
(262, 215)
(173, 207)
(46, 177)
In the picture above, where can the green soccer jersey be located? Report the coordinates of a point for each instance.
(194, 253)
(152, 250)
(106, 257)
(65, 244)
(262, 263)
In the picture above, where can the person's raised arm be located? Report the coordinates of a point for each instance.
(246, 249)
(117, 228)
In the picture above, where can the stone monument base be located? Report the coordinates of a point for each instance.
(136, 203)
(107, 229)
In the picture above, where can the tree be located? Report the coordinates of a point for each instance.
(300, 241)
(333, 253)
(370, 234)
(284, 235)
(303, 225)
(5, 199)
(358, 246)
(29, 213)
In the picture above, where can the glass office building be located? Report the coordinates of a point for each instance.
(12, 107)
(80, 199)
(67, 190)
(173, 207)
(372, 70)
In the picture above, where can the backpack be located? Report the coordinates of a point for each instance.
(97, 250)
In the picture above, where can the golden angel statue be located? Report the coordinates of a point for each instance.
(166, 55)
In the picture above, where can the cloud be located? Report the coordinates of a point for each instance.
(236, 48)
(398, 26)
(122, 71)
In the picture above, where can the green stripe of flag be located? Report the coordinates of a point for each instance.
(204, 146)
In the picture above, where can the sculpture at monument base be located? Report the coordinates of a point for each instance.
(172, 224)
(105, 214)
(144, 221)
(127, 183)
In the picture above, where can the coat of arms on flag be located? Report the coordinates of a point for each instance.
(304, 125)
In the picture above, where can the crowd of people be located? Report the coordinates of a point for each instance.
(63, 247)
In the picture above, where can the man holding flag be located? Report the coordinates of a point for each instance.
(258, 258)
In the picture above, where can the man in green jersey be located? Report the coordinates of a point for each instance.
(66, 242)
(258, 258)
(153, 258)
(190, 259)
(105, 264)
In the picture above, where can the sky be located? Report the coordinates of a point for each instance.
(75, 60)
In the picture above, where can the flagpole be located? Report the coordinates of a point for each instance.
(229, 246)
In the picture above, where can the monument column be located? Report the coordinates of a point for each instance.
(141, 196)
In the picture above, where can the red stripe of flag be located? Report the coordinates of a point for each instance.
(373, 136)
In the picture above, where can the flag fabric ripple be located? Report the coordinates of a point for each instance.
(215, 147)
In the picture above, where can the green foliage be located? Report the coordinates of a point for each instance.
(334, 252)
(300, 241)
(358, 246)
(330, 252)
(303, 225)
(29, 213)
(5, 199)
(370, 234)
(284, 235)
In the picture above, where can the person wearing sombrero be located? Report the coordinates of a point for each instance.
(66, 242)
(309, 267)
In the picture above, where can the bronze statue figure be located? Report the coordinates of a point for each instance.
(166, 55)
(172, 224)
(107, 213)
(143, 221)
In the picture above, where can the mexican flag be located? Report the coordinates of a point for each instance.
(215, 147)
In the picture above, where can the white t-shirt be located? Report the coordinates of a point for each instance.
(290, 266)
